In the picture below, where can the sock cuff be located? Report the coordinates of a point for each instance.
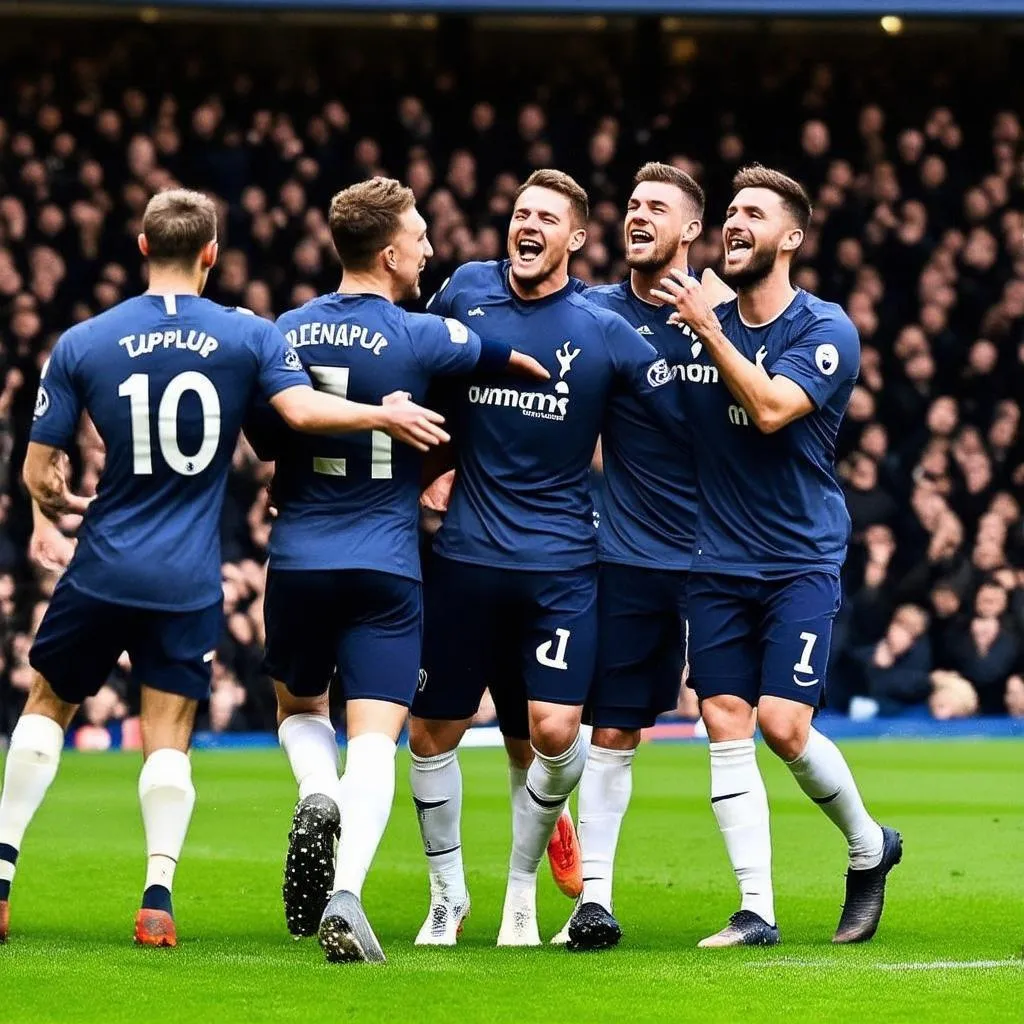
(728, 750)
(166, 767)
(293, 722)
(372, 743)
(39, 733)
(566, 757)
(607, 756)
(814, 739)
(435, 762)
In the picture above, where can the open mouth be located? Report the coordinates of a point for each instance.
(529, 250)
(736, 246)
(637, 236)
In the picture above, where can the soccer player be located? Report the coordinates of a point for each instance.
(771, 538)
(166, 377)
(644, 544)
(512, 597)
(344, 582)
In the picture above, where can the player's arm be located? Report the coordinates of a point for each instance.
(45, 475)
(447, 346)
(771, 402)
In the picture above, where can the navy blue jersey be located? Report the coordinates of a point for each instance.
(770, 505)
(649, 507)
(521, 497)
(167, 381)
(351, 502)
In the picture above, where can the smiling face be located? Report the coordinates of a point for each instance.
(542, 235)
(659, 221)
(758, 228)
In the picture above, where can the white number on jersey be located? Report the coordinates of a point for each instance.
(334, 381)
(136, 389)
(558, 646)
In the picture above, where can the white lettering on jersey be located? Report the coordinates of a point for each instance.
(560, 643)
(144, 344)
(345, 335)
(738, 416)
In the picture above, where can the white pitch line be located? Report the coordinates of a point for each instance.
(926, 965)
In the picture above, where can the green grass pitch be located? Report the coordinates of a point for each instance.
(949, 948)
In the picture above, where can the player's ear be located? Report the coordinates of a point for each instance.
(576, 239)
(208, 255)
(692, 231)
(143, 244)
(390, 258)
(793, 240)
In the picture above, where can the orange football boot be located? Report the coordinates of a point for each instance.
(566, 857)
(155, 928)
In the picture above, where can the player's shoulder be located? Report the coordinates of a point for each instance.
(476, 274)
(610, 296)
(309, 310)
(122, 318)
(582, 305)
(809, 311)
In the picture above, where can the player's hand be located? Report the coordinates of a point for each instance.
(438, 494)
(683, 292)
(49, 548)
(716, 291)
(411, 424)
(526, 366)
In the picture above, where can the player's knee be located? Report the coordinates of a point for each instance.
(784, 730)
(727, 718)
(553, 736)
(616, 739)
(428, 737)
(288, 704)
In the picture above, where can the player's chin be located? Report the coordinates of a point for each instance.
(533, 270)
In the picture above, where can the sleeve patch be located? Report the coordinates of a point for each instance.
(826, 358)
(457, 332)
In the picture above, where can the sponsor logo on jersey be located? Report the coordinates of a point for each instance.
(535, 404)
(476, 311)
(738, 416)
(644, 330)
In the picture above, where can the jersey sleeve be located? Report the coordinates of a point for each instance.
(648, 376)
(822, 359)
(58, 403)
(445, 346)
(279, 364)
(440, 303)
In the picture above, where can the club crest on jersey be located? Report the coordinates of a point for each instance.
(826, 358)
(42, 402)
(292, 360)
(535, 404)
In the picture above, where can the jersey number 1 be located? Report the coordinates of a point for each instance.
(136, 390)
(334, 381)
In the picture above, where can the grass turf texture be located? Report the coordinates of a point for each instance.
(958, 896)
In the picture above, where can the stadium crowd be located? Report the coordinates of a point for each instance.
(918, 231)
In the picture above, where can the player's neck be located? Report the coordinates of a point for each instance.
(171, 281)
(530, 292)
(643, 281)
(763, 302)
(354, 283)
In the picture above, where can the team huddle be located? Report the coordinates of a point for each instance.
(715, 407)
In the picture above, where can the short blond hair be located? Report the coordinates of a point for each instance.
(365, 217)
(178, 223)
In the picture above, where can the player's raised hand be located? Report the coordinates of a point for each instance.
(412, 424)
(682, 291)
(716, 291)
(526, 366)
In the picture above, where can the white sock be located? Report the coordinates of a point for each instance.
(740, 803)
(823, 774)
(604, 796)
(537, 805)
(32, 760)
(437, 792)
(167, 797)
(516, 779)
(365, 795)
(312, 749)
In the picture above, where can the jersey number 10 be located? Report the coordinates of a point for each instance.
(334, 381)
(136, 390)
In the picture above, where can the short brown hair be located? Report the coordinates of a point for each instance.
(177, 224)
(564, 185)
(793, 195)
(669, 175)
(364, 218)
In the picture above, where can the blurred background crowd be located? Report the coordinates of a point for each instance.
(918, 230)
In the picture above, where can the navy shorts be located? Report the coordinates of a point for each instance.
(524, 635)
(641, 645)
(81, 637)
(365, 624)
(754, 638)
